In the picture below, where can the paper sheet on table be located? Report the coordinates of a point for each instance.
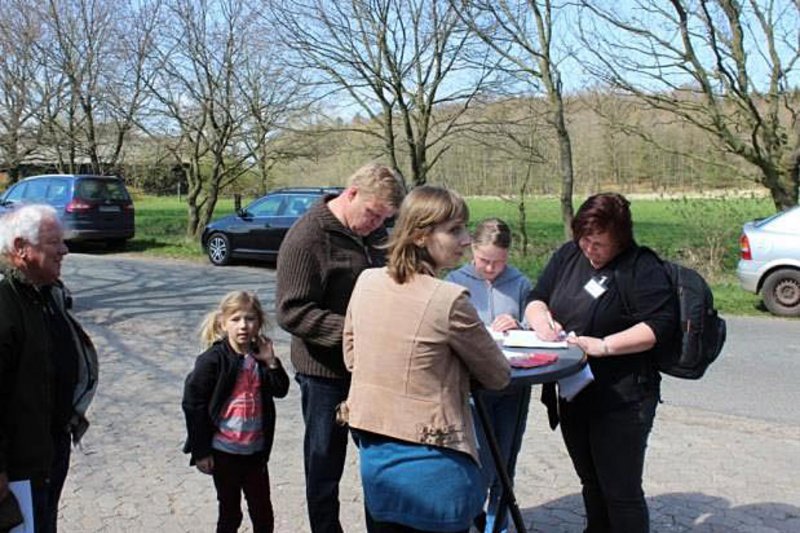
(22, 491)
(496, 335)
(570, 386)
(523, 338)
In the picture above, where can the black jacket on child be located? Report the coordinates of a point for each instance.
(208, 387)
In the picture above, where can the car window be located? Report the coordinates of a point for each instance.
(785, 221)
(58, 192)
(15, 193)
(298, 204)
(266, 207)
(101, 189)
(36, 190)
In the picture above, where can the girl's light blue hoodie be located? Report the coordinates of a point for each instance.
(506, 294)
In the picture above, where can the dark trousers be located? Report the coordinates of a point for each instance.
(607, 450)
(233, 475)
(324, 449)
(45, 494)
(374, 526)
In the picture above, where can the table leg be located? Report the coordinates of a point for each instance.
(500, 467)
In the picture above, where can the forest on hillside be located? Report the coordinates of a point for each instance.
(618, 144)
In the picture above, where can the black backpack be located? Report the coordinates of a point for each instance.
(701, 333)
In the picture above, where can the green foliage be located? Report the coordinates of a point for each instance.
(702, 233)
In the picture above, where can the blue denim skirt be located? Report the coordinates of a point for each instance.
(419, 486)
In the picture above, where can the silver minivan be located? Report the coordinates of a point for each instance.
(770, 261)
(91, 208)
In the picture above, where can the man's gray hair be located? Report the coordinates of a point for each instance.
(23, 223)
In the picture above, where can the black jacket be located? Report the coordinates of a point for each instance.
(209, 386)
(27, 377)
(621, 379)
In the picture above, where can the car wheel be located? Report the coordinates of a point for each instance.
(219, 249)
(781, 292)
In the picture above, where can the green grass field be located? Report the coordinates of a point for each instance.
(702, 233)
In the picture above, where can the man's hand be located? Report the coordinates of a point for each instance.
(205, 465)
(3, 486)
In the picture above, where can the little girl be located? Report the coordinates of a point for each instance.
(230, 414)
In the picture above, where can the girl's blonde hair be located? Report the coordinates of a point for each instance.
(212, 330)
(422, 210)
(492, 231)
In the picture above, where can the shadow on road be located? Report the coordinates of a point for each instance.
(676, 512)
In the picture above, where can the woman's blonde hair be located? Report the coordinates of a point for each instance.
(422, 209)
(212, 330)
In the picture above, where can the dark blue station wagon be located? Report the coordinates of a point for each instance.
(91, 208)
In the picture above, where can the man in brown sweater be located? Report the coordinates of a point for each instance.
(318, 264)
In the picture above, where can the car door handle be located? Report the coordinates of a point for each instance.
(267, 225)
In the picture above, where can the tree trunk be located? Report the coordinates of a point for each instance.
(564, 159)
(783, 186)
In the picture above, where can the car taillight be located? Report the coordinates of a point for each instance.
(744, 248)
(78, 206)
(128, 207)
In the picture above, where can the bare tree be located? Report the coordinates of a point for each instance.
(214, 102)
(21, 92)
(94, 52)
(510, 133)
(521, 33)
(276, 102)
(406, 64)
(728, 67)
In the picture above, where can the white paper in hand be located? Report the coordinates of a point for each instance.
(570, 386)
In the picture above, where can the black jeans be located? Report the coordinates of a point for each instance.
(607, 450)
(234, 474)
(324, 449)
(45, 495)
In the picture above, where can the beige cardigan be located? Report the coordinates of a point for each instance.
(412, 349)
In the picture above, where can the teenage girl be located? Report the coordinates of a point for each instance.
(499, 293)
(230, 414)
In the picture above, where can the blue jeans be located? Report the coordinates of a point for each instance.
(505, 409)
(607, 451)
(45, 495)
(324, 449)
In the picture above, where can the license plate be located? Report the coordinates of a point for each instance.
(109, 209)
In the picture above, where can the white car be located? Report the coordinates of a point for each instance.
(770, 261)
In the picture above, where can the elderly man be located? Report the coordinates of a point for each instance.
(318, 263)
(48, 366)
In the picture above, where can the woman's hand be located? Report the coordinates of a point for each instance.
(541, 321)
(504, 322)
(205, 465)
(637, 338)
(591, 346)
(265, 352)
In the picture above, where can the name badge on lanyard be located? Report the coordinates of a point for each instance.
(596, 286)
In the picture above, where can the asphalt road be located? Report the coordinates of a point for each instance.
(756, 376)
(709, 469)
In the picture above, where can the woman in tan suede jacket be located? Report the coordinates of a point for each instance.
(413, 343)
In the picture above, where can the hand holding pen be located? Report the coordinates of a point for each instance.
(554, 330)
(541, 321)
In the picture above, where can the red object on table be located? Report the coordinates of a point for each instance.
(533, 359)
